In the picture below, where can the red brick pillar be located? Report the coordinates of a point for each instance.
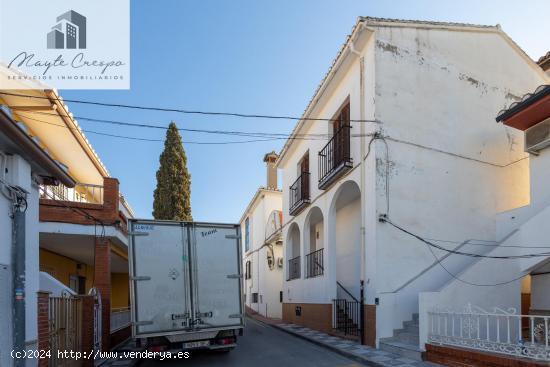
(43, 317)
(87, 326)
(102, 276)
(111, 197)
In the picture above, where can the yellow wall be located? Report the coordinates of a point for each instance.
(119, 290)
(61, 268)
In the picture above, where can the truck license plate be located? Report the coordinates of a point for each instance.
(199, 344)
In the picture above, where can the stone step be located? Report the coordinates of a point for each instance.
(400, 348)
(410, 323)
(408, 329)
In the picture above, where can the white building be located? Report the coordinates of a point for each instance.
(525, 280)
(23, 166)
(262, 246)
(411, 140)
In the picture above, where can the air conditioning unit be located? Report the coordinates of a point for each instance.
(537, 137)
(280, 262)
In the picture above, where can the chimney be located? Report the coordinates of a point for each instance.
(269, 160)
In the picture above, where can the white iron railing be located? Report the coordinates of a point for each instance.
(498, 331)
(82, 193)
(120, 318)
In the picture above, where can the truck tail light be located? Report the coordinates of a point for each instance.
(157, 348)
(226, 341)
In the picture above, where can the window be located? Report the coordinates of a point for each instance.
(254, 297)
(281, 296)
(248, 270)
(247, 234)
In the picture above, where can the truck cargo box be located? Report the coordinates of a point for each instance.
(185, 279)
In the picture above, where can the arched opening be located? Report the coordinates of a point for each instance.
(314, 243)
(293, 252)
(346, 222)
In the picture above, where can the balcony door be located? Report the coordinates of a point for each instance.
(304, 173)
(340, 132)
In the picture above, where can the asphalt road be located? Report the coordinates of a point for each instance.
(263, 346)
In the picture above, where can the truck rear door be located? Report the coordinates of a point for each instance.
(216, 275)
(159, 272)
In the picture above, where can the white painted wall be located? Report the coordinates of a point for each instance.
(20, 174)
(435, 93)
(264, 281)
(441, 90)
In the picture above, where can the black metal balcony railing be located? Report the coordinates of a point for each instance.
(335, 157)
(294, 268)
(314, 264)
(299, 193)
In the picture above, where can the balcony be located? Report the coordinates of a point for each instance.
(299, 194)
(294, 268)
(81, 193)
(335, 158)
(314, 264)
(85, 204)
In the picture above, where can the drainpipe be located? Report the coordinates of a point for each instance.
(18, 196)
(362, 187)
(18, 259)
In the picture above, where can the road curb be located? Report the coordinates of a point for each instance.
(342, 352)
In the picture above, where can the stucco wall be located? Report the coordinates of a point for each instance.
(264, 281)
(437, 94)
(434, 94)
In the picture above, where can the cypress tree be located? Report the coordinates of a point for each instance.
(172, 197)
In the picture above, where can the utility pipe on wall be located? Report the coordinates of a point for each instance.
(362, 186)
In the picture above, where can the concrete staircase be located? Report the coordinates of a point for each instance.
(404, 341)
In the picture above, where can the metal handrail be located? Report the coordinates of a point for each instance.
(347, 292)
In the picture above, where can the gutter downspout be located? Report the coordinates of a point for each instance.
(362, 186)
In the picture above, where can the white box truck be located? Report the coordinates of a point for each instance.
(185, 285)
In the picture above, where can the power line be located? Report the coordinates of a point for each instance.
(468, 282)
(385, 219)
(179, 110)
(440, 263)
(486, 244)
(152, 126)
(148, 139)
(272, 136)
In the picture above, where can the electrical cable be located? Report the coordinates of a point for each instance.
(440, 263)
(179, 110)
(163, 127)
(385, 219)
(78, 211)
(148, 139)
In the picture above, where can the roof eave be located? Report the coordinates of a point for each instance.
(35, 153)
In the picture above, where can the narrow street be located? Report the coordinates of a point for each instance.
(262, 345)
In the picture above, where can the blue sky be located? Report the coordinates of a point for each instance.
(254, 57)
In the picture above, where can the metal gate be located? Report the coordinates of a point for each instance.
(97, 318)
(65, 324)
